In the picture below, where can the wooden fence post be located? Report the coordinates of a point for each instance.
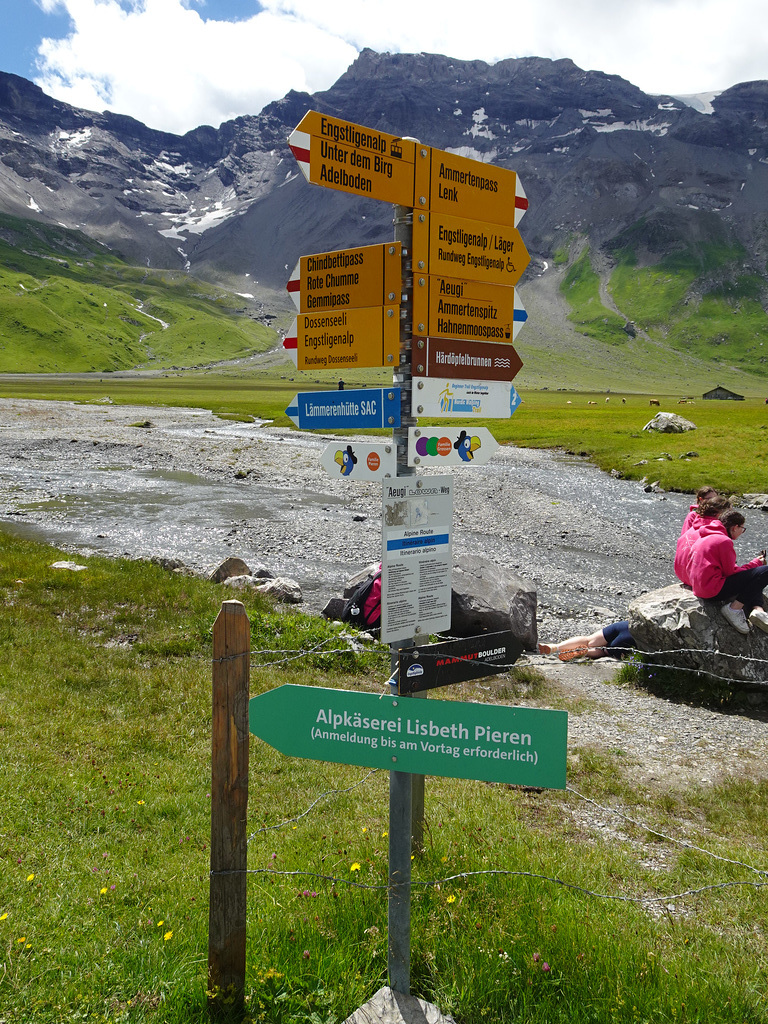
(229, 805)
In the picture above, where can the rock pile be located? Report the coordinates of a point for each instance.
(234, 572)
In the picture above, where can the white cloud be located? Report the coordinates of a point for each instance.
(165, 65)
(175, 67)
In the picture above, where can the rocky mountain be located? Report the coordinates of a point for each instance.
(632, 176)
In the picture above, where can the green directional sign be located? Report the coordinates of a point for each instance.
(489, 742)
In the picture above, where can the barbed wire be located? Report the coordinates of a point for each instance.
(502, 872)
(569, 789)
(497, 668)
(315, 802)
(662, 835)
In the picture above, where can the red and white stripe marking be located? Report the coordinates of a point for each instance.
(291, 342)
(294, 285)
(521, 200)
(300, 143)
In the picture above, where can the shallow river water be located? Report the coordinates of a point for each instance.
(182, 484)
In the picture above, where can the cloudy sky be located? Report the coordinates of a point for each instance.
(176, 64)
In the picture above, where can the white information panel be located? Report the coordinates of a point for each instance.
(416, 556)
(485, 399)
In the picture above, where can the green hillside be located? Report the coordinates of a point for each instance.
(69, 304)
(699, 300)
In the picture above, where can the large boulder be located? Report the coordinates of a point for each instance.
(674, 627)
(486, 598)
(230, 567)
(669, 423)
(390, 1007)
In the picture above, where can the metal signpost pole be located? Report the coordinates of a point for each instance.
(400, 783)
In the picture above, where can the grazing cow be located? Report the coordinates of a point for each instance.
(591, 403)
(607, 400)
(654, 401)
(569, 402)
(682, 401)
(623, 401)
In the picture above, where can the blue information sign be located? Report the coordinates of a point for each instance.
(356, 409)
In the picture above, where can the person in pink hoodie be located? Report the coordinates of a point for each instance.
(701, 514)
(705, 493)
(715, 576)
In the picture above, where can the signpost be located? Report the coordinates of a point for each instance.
(416, 558)
(348, 278)
(456, 238)
(350, 158)
(453, 184)
(470, 249)
(519, 746)
(480, 399)
(456, 661)
(345, 339)
(445, 307)
(452, 446)
(476, 360)
(355, 409)
(360, 461)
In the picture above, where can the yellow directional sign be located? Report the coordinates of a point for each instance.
(348, 278)
(345, 339)
(351, 158)
(458, 186)
(445, 307)
(470, 249)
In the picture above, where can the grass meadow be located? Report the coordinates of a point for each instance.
(728, 449)
(105, 829)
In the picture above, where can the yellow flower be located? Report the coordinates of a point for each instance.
(22, 939)
(451, 899)
(384, 835)
(355, 867)
(160, 923)
(3, 917)
(139, 801)
(168, 935)
(30, 877)
(102, 891)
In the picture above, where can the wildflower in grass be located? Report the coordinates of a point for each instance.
(451, 899)
(102, 891)
(545, 967)
(384, 835)
(22, 939)
(160, 923)
(536, 957)
(139, 801)
(30, 878)
(3, 917)
(354, 867)
(167, 936)
(305, 954)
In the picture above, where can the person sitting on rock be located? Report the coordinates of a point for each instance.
(705, 493)
(705, 512)
(613, 641)
(715, 575)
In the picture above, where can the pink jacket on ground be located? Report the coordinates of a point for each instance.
(713, 559)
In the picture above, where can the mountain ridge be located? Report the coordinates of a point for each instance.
(636, 180)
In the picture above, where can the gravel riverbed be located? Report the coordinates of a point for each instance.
(183, 484)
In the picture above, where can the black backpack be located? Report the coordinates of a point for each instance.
(355, 603)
